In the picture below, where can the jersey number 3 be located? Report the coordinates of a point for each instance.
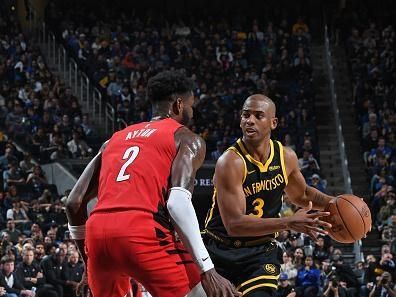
(258, 207)
(129, 155)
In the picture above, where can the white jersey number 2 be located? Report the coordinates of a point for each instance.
(129, 155)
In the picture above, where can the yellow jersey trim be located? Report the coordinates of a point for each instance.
(261, 166)
(282, 157)
(243, 159)
(273, 277)
(210, 215)
(259, 286)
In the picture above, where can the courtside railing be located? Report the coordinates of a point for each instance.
(340, 137)
(90, 98)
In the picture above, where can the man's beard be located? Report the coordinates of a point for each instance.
(185, 118)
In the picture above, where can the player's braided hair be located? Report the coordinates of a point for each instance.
(167, 84)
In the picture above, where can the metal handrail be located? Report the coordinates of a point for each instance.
(90, 97)
(123, 122)
(110, 113)
(340, 137)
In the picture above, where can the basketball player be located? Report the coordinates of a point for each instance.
(243, 222)
(144, 177)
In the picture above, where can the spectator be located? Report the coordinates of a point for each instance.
(89, 130)
(320, 252)
(7, 158)
(388, 209)
(288, 141)
(35, 232)
(9, 280)
(39, 252)
(5, 242)
(27, 164)
(370, 142)
(60, 153)
(388, 235)
(359, 271)
(346, 277)
(370, 125)
(375, 269)
(308, 279)
(303, 162)
(12, 232)
(292, 243)
(78, 147)
(288, 268)
(18, 214)
(28, 272)
(55, 218)
(298, 258)
(54, 268)
(12, 176)
(317, 182)
(381, 150)
(384, 287)
(51, 234)
(37, 180)
(218, 152)
(74, 274)
(284, 287)
(334, 289)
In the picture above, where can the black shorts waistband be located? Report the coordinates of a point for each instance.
(237, 243)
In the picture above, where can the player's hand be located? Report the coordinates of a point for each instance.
(309, 223)
(215, 285)
(82, 289)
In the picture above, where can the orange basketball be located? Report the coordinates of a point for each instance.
(350, 218)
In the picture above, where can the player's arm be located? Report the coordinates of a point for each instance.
(297, 189)
(231, 200)
(190, 156)
(85, 189)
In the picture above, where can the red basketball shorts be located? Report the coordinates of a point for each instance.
(132, 244)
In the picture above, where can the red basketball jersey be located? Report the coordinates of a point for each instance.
(136, 167)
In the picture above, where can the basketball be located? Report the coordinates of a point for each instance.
(350, 217)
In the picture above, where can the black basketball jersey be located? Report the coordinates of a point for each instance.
(263, 185)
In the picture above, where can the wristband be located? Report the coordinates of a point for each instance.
(77, 232)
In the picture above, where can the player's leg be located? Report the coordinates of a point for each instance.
(260, 272)
(250, 269)
(224, 259)
(150, 255)
(104, 277)
(165, 270)
(107, 285)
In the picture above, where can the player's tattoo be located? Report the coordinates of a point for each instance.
(319, 199)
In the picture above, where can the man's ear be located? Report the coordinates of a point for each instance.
(177, 106)
(274, 123)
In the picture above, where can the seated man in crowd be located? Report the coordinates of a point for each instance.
(29, 274)
(74, 273)
(9, 280)
(55, 271)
